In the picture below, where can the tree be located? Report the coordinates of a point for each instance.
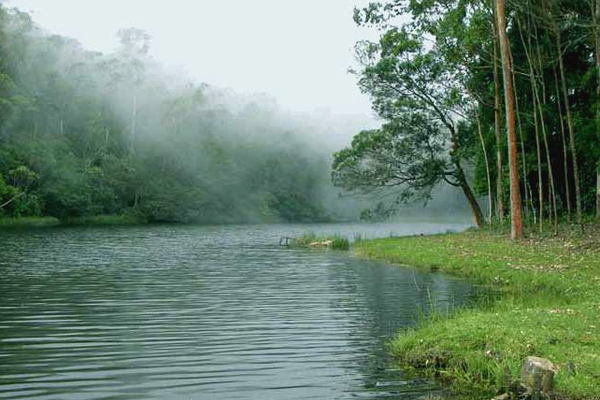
(131, 64)
(6, 82)
(403, 77)
(516, 227)
(550, 16)
(595, 11)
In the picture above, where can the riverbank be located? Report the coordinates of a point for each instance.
(548, 306)
(29, 222)
(42, 222)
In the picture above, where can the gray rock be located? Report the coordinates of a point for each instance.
(537, 375)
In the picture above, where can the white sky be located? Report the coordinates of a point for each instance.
(298, 51)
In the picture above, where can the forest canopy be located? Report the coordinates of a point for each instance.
(84, 134)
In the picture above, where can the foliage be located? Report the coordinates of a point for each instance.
(436, 59)
(407, 154)
(84, 134)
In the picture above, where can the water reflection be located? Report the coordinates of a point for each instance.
(206, 313)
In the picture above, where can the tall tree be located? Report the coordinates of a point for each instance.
(498, 125)
(516, 231)
(404, 77)
(555, 28)
(596, 33)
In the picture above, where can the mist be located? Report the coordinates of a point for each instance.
(111, 133)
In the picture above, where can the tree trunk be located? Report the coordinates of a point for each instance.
(487, 168)
(598, 195)
(539, 159)
(552, 213)
(552, 191)
(542, 101)
(527, 47)
(565, 150)
(133, 124)
(596, 21)
(516, 226)
(464, 185)
(522, 142)
(565, 91)
(462, 179)
(498, 131)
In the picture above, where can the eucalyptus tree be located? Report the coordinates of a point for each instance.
(516, 231)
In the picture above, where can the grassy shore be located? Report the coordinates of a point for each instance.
(105, 220)
(28, 222)
(548, 306)
(41, 222)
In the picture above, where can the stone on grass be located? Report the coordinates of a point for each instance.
(537, 375)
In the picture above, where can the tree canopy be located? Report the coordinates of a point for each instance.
(437, 65)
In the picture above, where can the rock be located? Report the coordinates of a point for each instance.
(571, 367)
(326, 243)
(537, 375)
(504, 396)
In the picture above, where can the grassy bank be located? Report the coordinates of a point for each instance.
(105, 220)
(549, 307)
(40, 222)
(28, 222)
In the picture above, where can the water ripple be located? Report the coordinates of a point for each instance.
(203, 313)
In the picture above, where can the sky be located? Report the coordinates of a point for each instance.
(295, 51)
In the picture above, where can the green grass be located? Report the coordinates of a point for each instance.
(548, 306)
(39, 222)
(27, 222)
(105, 220)
(336, 242)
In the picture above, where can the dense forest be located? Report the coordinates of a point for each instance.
(474, 94)
(460, 83)
(85, 134)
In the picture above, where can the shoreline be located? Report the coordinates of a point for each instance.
(129, 220)
(48, 222)
(548, 306)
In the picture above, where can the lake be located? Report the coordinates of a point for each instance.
(190, 312)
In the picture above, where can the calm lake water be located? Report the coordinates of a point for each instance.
(187, 312)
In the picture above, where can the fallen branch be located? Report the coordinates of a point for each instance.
(13, 199)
